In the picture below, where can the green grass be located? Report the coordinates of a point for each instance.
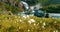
(15, 23)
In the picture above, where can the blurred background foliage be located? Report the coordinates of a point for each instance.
(48, 5)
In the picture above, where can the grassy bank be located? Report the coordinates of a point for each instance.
(14, 23)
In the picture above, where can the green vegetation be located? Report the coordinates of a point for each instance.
(14, 23)
(55, 8)
(7, 6)
(48, 5)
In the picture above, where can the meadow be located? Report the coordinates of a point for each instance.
(16, 23)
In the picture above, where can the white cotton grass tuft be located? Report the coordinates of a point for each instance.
(27, 16)
(20, 20)
(55, 31)
(24, 17)
(43, 26)
(34, 24)
(31, 21)
(28, 30)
